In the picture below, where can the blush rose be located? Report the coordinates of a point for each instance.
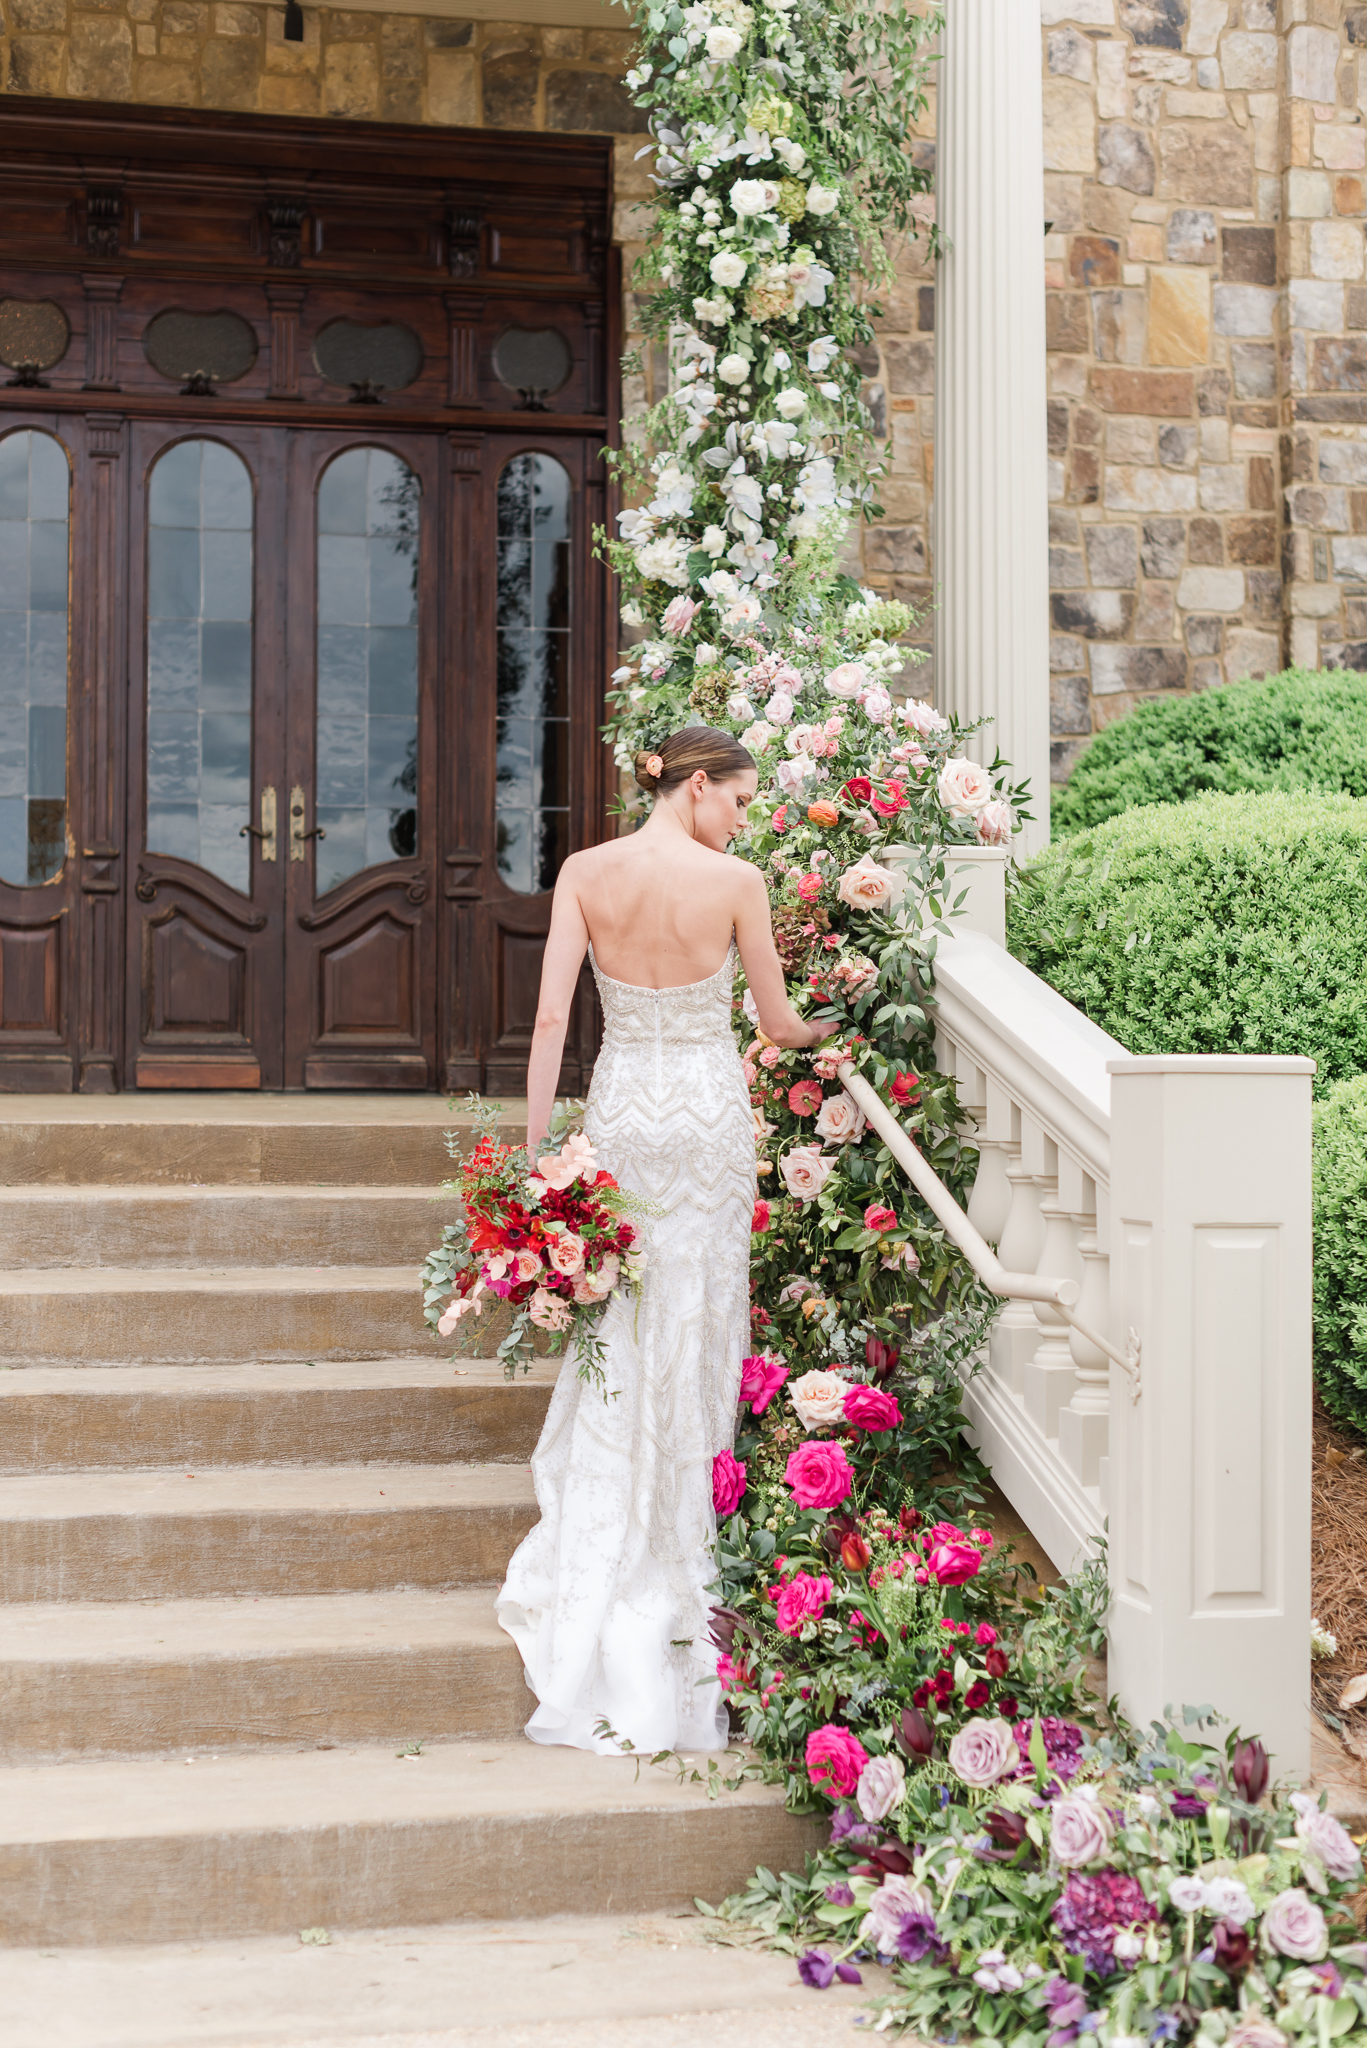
(982, 1752)
(866, 886)
(819, 1398)
(805, 1172)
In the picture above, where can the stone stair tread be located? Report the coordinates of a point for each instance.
(159, 1632)
(275, 1111)
(263, 1489)
(250, 1376)
(351, 1787)
(247, 1280)
(176, 1194)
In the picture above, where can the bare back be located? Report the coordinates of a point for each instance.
(659, 913)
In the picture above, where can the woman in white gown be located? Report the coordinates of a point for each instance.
(606, 1598)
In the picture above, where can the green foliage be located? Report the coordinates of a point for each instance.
(1304, 729)
(1230, 924)
(1340, 1210)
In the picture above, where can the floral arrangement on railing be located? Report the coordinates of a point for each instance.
(551, 1245)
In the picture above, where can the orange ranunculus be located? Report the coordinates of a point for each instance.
(823, 812)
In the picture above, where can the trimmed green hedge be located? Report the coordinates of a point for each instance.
(1304, 729)
(1341, 1251)
(1228, 924)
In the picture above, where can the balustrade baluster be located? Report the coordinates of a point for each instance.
(1049, 1378)
(1084, 1425)
(1015, 1334)
(998, 1142)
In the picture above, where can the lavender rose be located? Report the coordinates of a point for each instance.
(880, 1787)
(1254, 2032)
(892, 1902)
(982, 1752)
(1328, 1839)
(1293, 1925)
(1082, 1830)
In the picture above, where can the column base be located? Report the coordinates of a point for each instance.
(1048, 1383)
(1082, 1438)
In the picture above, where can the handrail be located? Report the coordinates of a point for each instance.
(1059, 1294)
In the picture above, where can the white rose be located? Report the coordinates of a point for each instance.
(848, 680)
(822, 199)
(839, 1120)
(713, 312)
(819, 1398)
(733, 369)
(923, 718)
(995, 824)
(790, 775)
(965, 788)
(789, 403)
(713, 541)
(753, 195)
(723, 43)
(705, 656)
(790, 154)
(664, 560)
(757, 738)
(877, 704)
(866, 886)
(881, 1785)
(727, 269)
(779, 709)
(805, 1172)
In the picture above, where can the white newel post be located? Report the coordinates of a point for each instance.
(991, 463)
(1210, 1470)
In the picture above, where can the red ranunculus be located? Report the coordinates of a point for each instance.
(804, 1098)
(859, 789)
(835, 1759)
(760, 1379)
(819, 1474)
(891, 801)
(760, 1219)
(779, 821)
(728, 1483)
(870, 1408)
(978, 1694)
(877, 1217)
(906, 1089)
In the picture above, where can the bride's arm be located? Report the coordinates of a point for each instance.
(560, 964)
(778, 1019)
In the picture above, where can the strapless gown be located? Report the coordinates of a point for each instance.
(606, 1598)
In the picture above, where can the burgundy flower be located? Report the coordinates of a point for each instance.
(1093, 1908)
(995, 1660)
(978, 1694)
(1249, 1771)
(1062, 1743)
(1234, 1949)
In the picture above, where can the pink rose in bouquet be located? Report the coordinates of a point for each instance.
(871, 1409)
(760, 1379)
(728, 1483)
(982, 1752)
(950, 1556)
(994, 824)
(805, 1171)
(848, 680)
(819, 1475)
(964, 788)
(802, 1599)
(835, 1759)
(548, 1311)
(866, 886)
(679, 614)
(1294, 1926)
(566, 1253)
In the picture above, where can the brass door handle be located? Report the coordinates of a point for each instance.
(265, 831)
(299, 838)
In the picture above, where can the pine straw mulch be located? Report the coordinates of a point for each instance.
(1338, 1571)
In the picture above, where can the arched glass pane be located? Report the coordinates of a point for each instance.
(199, 659)
(533, 672)
(367, 736)
(35, 491)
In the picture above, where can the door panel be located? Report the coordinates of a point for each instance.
(206, 925)
(360, 939)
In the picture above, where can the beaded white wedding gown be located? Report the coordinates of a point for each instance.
(606, 1597)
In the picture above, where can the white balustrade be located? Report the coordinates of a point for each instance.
(1162, 1204)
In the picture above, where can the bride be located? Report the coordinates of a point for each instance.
(606, 1598)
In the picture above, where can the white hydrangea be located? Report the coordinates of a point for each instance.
(664, 560)
(1322, 1642)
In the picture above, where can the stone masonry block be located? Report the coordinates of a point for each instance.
(1339, 364)
(1312, 64)
(1309, 195)
(1130, 440)
(100, 60)
(590, 102)
(35, 64)
(1169, 394)
(1066, 326)
(508, 92)
(1137, 668)
(1112, 556)
(1244, 309)
(1250, 256)
(351, 81)
(1164, 546)
(37, 17)
(1343, 462)
(1336, 248)
(1069, 126)
(1211, 590)
(1222, 487)
(1248, 63)
(1206, 543)
(1209, 166)
(1249, 653)
(1094, 614)
(1070, 704)
(1065, 569)
(1118, 317)
(1252, 542)
(1179, 315)
(910, 367)
(1325, 508)
(1125, 158)
(1093, 260)
(1177, 446)
(1342, 149)
(1066, 653)
(1204, 636)
(452, 90)
(1155, 24)
(1068, 54)
(1191, 235)
(1254, 365)
(1132, 489)
(1314, 304)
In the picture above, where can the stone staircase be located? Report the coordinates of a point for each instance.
(250, 1523)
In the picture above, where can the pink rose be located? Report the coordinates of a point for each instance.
(878, 1217)
(870, 1408)
(818, 1397)
(760, 1379)
(1081, 1831)
(835, 1759)
(848, 680)
(728, 1483)
(876, 704)
(802, 1599)
(1326, 1839)
(566, 1253)
(965, 788)
(841, 1120)
(805, 1171)
(679, 614)
(923, 718)
(1294, 1926)
(995, 824)
(819, 1475)
(548, 1311)
(528, 1265)
(881, 1784)
(894, 1899)
(952, 1559)
(982, 1752)
(590, 1287)
(866, 886)
(759, 1220)
(903, 1255)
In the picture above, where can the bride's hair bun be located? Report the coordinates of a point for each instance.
(683, 753)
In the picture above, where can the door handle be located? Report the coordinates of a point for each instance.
(299, 838)
(265, 831)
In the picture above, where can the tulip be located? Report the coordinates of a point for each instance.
(1233, 1948)
(1249, 1771)
(882, 1359)
(1006, 1829)
(855, 1554)
(915, 1735)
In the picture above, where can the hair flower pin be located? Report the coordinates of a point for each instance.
(654, 766)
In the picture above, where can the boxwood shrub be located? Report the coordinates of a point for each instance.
(1304, 729)
(1341, 1251)
(1227, 924)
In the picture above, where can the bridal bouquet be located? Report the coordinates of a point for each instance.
(554, 1243)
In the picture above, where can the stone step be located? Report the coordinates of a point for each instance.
(179, 1534)
(249, 1139)
(211, 1314)
(139, 1677)
(151, 1228)
(160, 1851)
(406, 1411)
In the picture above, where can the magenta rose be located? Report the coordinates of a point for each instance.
(819, 1475)
(728, 1483)
(951, 1558)
(760, 1379)
(870, 1408)
(835, 1759)
(803, 1598)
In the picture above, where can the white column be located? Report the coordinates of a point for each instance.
(1210, 1469)
(991, 562)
